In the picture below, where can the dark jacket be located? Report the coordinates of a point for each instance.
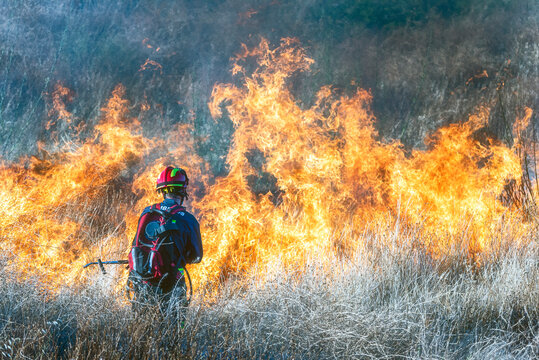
(184, 244)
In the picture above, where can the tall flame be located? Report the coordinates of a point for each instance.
(298, 177)
(50, 204)
(328, 171)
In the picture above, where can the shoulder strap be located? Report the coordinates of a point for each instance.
(176, 209)
(156, 208)
(166, 224)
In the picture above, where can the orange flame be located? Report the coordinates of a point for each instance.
(151, 65)
(51, 203)
(60, 96)
(483, 74)
(329, 171)
(298, 177)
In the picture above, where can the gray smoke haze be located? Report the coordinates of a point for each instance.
(421, 59)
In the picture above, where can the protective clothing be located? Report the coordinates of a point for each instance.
(167, 238)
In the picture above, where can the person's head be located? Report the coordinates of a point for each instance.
(172, 183)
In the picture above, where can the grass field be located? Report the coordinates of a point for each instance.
(364, 173)
(390, 301)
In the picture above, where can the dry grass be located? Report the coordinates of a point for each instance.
(390, 301)
(393, 301)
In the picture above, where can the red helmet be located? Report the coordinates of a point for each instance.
(172, 178)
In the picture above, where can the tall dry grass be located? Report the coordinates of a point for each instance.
(388, 298)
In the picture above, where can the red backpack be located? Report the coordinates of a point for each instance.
(157, 250)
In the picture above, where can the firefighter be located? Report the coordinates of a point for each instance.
(167, 238)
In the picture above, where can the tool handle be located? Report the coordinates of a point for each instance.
(100, 263)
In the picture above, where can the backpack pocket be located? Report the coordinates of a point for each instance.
(141, 263)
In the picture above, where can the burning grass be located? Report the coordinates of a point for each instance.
(322, 240)
(382, 302)
(296, 175)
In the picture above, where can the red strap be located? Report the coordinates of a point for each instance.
(176, 209)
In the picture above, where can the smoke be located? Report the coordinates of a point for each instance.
(416, 57)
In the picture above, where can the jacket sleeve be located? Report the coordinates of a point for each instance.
(194, 243)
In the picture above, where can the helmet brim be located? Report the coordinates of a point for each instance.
(169, 184)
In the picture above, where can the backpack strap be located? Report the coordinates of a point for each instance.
(174, 209)
(170, 225)
(156, 208)
(166, 224)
